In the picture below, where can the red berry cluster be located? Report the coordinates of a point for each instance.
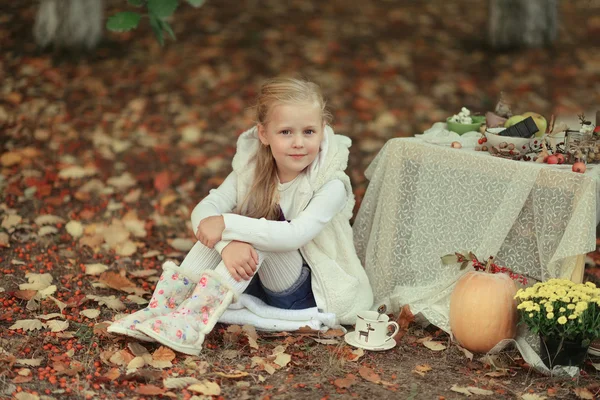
(496, 269)
(482, 140)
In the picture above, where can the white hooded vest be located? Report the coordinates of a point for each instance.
(339, 282)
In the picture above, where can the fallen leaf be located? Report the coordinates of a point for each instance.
(76, 172)
(282, 359)
(179, 383)
(50, 316)
(160, 364)
(232, 375)
(149, 390)
(27, 325)
(10, 158)
(110, 301)
(48, 219)
(122, 182)
(252, 336)
(36, 281)
(346, 382)
(356, 354)
(47, 230)
(133, 365)
(162, 181)
(369, 375)
(144, 272)
(57, 326)
(122, 358)
(405, 318)
(460, 389)
(334, 333)
(433, 345)
(116, 281)
(498, 373)
(181, 244)
(481, 392)
(26, 396)
(22, 379)
(10, 221)
(326, 341)
(4, 239)
(90, 313)
(584, 393)
(136, 299)
(24, 294)
(74, 228)
(163, 354)
(113, 374)
(206, 387)
(43, 293)
(422, 369)
(532, 396)
(466, 352)
(30, 362)
(126, 249)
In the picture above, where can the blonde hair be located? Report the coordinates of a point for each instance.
(262, 200)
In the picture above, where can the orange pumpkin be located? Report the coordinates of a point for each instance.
(483, 310)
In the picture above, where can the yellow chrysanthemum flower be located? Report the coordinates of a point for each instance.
(550, 315)
(581, 306)
(562, 320)
(562, 309)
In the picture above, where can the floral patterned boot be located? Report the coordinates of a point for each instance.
(184, 330)
(171, 290)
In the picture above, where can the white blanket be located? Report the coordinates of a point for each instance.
(250, 310)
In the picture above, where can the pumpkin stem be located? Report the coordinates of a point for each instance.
(488, 264)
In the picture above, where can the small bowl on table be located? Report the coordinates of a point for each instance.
(494, 140)
(478, 120)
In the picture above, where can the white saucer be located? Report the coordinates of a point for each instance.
(349, 338)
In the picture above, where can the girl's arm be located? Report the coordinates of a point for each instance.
(219, 201)
(279, 236)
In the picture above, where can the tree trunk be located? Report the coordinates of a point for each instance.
(69, 23)
(522, 23)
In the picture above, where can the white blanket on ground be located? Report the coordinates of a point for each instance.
(250, 310)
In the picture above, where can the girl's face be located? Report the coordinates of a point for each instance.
(295, 133)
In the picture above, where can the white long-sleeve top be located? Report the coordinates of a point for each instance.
(275, 236)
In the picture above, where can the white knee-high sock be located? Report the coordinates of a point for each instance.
(199, 259)
(281, 270)
(278, 271)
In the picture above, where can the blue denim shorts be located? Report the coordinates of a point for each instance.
(297, 297)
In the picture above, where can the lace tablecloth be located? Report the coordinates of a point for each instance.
(426, 200)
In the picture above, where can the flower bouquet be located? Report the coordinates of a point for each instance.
(566, 316)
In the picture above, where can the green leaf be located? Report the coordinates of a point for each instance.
(123, 21)
(162, 8)
(136, 3)
(196, 3)
(157, 28)
(464, 265)
(165, 25)
(449, 259)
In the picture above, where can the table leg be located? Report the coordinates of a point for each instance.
(577, 275)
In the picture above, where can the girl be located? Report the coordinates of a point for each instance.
(292, 203)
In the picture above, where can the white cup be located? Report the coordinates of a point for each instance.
(372, 328)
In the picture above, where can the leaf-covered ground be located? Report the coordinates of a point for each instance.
(103, 156)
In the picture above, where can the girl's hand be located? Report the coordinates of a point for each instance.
(241, 260)
(210, 230)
